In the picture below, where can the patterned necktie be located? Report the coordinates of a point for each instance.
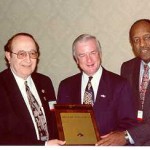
(38, 115)
(144, 84)
(89, 93)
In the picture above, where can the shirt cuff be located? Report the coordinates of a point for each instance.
(130, 138)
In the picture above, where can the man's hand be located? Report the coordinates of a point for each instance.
(55, 142)
(112, 139)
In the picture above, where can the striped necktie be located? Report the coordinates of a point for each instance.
(38, 115)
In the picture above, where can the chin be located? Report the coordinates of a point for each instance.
(27, 74)
(146, 60)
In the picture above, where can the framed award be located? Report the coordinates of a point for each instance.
(76, 124)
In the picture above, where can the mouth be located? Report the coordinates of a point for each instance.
(90, 66)
(145, 50)
(26, 66)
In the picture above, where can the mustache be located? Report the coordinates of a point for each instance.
(145, 48)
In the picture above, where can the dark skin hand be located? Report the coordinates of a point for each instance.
(112, 139)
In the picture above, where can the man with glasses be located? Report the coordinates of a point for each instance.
(25, 117)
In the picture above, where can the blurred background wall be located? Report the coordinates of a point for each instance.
(56, 23)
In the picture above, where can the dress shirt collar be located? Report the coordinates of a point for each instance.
(143, 63)
(20, 81)
(142, 71)
(96, 76)
(95, 82)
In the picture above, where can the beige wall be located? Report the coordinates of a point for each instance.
(56, 23)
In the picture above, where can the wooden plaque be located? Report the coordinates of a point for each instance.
(76, 124)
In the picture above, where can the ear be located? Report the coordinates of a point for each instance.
(100, 54)
(131, 42)
(7, 55)
(77, 61)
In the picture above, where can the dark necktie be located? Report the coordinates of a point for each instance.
(144, 84)
(89, 93)
(38, 115)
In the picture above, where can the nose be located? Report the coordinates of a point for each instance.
(142, 42)
(28, 59)
(88, 58)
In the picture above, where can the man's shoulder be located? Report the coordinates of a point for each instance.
(37, 75)
(114, 80)
(132, 61)
(72, 78)
(4, 71)
(4, 74)
(113, 76)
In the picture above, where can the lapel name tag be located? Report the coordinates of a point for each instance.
(51, 104)
(140, 115)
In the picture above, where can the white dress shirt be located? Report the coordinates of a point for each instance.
(95, 83)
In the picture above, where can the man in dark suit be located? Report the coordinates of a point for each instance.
(20, 123)
(133, 70)
(112, 103)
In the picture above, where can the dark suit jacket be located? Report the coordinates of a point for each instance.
(16, 126)
(131, 71)
(113, 107)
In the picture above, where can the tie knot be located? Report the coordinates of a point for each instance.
(26, 84)
(146, 67)
(90, 78)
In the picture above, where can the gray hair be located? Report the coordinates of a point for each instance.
(84, 38)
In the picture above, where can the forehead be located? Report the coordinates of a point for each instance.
(90, 43)
(23, 42)
(140, 29)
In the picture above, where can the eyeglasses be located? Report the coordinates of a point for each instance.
(23, 54)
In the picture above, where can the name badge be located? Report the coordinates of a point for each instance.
(140, 115)
(51, 105)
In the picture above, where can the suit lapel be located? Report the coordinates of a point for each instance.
(16, 99)
(136, 75)
(38, 87)
(103, 92)
(41, 91)
(135, 81)
(146, 107)
(77, 89)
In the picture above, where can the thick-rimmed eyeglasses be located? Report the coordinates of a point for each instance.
(23, 54)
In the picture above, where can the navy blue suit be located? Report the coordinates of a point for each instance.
(16, 126)
(113, 107)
